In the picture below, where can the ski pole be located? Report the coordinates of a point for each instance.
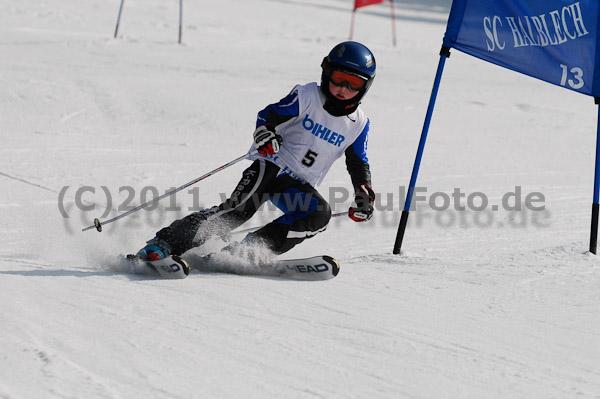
(98, 225)
(251, 229)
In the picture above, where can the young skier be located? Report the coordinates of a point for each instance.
(297, 139)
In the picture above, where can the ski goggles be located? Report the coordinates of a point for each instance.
(352, 82)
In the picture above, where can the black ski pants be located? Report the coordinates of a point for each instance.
(305, 213)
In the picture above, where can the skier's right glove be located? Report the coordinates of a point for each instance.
(266, 141)
(364, 199)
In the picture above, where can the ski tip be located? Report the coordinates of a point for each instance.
(184, 265)
(335, 265)
(169, 267)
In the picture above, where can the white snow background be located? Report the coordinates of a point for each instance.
(488, 304)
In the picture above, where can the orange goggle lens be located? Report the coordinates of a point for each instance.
(353, 82)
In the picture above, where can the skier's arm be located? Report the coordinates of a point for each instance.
(357, 162)
(280, 112)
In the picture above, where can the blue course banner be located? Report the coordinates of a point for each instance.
(552, 40)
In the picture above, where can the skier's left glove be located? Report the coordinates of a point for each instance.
(266, 141)
(364, 199)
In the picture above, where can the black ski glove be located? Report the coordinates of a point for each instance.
(266, 141)
(364, 199)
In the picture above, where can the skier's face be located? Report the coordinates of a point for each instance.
(341, 92)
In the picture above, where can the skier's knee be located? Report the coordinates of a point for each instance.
(321, 216)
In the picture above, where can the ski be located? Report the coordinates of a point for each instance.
(314, 268)
(172, 267)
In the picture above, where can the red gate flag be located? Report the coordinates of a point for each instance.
(364, 3)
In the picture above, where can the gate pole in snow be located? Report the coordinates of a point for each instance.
(444, 53)
(393, 15)
(352, 23)
(119, 18)
(595, 206)
(180, 18)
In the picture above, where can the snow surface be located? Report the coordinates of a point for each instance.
(501, 304)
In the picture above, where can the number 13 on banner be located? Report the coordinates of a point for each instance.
(577, 77)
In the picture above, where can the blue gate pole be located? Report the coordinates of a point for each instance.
(119, 18)
(595, 206)
(444, 53)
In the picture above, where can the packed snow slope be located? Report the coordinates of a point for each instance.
(484, 302)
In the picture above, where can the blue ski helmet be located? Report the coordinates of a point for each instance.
(355, 59)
